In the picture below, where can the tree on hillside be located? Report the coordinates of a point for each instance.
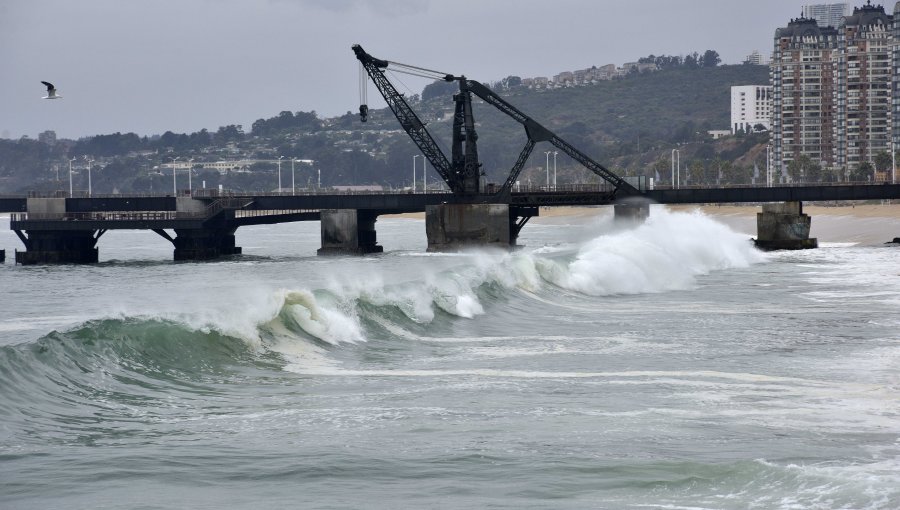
(710, 58)
(692, 60)
(693, 174)
(230, 133)
(439, 88)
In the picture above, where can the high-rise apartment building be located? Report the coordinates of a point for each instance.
(895, 81)
(827, 15)
(863, 86)
(833, 89)
(751, 106)
(803, 92)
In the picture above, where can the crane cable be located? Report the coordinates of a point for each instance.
(363, 93)
(363, 85)
(417, 71)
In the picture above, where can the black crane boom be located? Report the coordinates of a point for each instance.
(410, 122)
(463, 174)
(538, 133)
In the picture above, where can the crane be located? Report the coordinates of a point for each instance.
(463, 172)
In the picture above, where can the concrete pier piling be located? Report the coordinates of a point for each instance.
(59, 247)
(348, 232)
(783, 226)
(204, 244)
(637, 211)
(453, 227)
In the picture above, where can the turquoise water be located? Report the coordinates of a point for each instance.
(665, 366)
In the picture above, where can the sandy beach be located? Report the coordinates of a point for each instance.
(859, 223)
(887, 210)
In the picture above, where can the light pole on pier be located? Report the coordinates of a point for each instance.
(554, 169)
(547, 153)
(769, 165)
(293, 186)
(676, 155)
(174, 180)
(70, 177)
(414, 173)
(279, 172)
(424, 174)
(319, 182)
(90, 162)
(190, 170)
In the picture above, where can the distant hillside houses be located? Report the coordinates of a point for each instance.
(589, 76)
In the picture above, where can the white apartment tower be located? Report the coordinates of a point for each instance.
(756, 58)
(751, 105)
(827, 15)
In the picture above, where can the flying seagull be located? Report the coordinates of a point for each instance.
(51, 91)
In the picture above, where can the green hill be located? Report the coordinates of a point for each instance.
(629, 125)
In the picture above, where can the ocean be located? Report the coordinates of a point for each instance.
(665, 365)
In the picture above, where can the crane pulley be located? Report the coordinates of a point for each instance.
(463, 173)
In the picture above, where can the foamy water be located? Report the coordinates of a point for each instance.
(670, 365)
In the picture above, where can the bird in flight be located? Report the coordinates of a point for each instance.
(51, 91)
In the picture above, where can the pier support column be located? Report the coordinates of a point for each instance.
(636, 212)
(58, 247)
(348, 231)
(783, 226)
(452, 227)
(204, 243)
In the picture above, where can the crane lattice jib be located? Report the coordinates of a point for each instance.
(410, 122)
(538, 133)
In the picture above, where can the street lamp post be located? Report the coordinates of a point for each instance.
(190, 170)
(424, 174)
(293, 186)
(90, 162)
(554, 169)
(279, 172)
(319, 181)
(768, 166)
(547, 153)
(414, 173)
(676, 156)
(70, 177)
(678, 168)
(893, 163)
(174, 181)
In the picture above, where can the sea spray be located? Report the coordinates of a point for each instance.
(665, 253)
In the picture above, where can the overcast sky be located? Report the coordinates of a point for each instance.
(183, 65)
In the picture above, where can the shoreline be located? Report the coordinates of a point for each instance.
(891, 210)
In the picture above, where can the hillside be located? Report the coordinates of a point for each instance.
(630, 125)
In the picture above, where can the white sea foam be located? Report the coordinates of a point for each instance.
(665, 253)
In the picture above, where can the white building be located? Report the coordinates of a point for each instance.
(756, 58)
(827, 15)
(751, 105)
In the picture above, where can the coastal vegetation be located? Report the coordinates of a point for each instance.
(630, 125)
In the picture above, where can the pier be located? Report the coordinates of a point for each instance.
(202, 226)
